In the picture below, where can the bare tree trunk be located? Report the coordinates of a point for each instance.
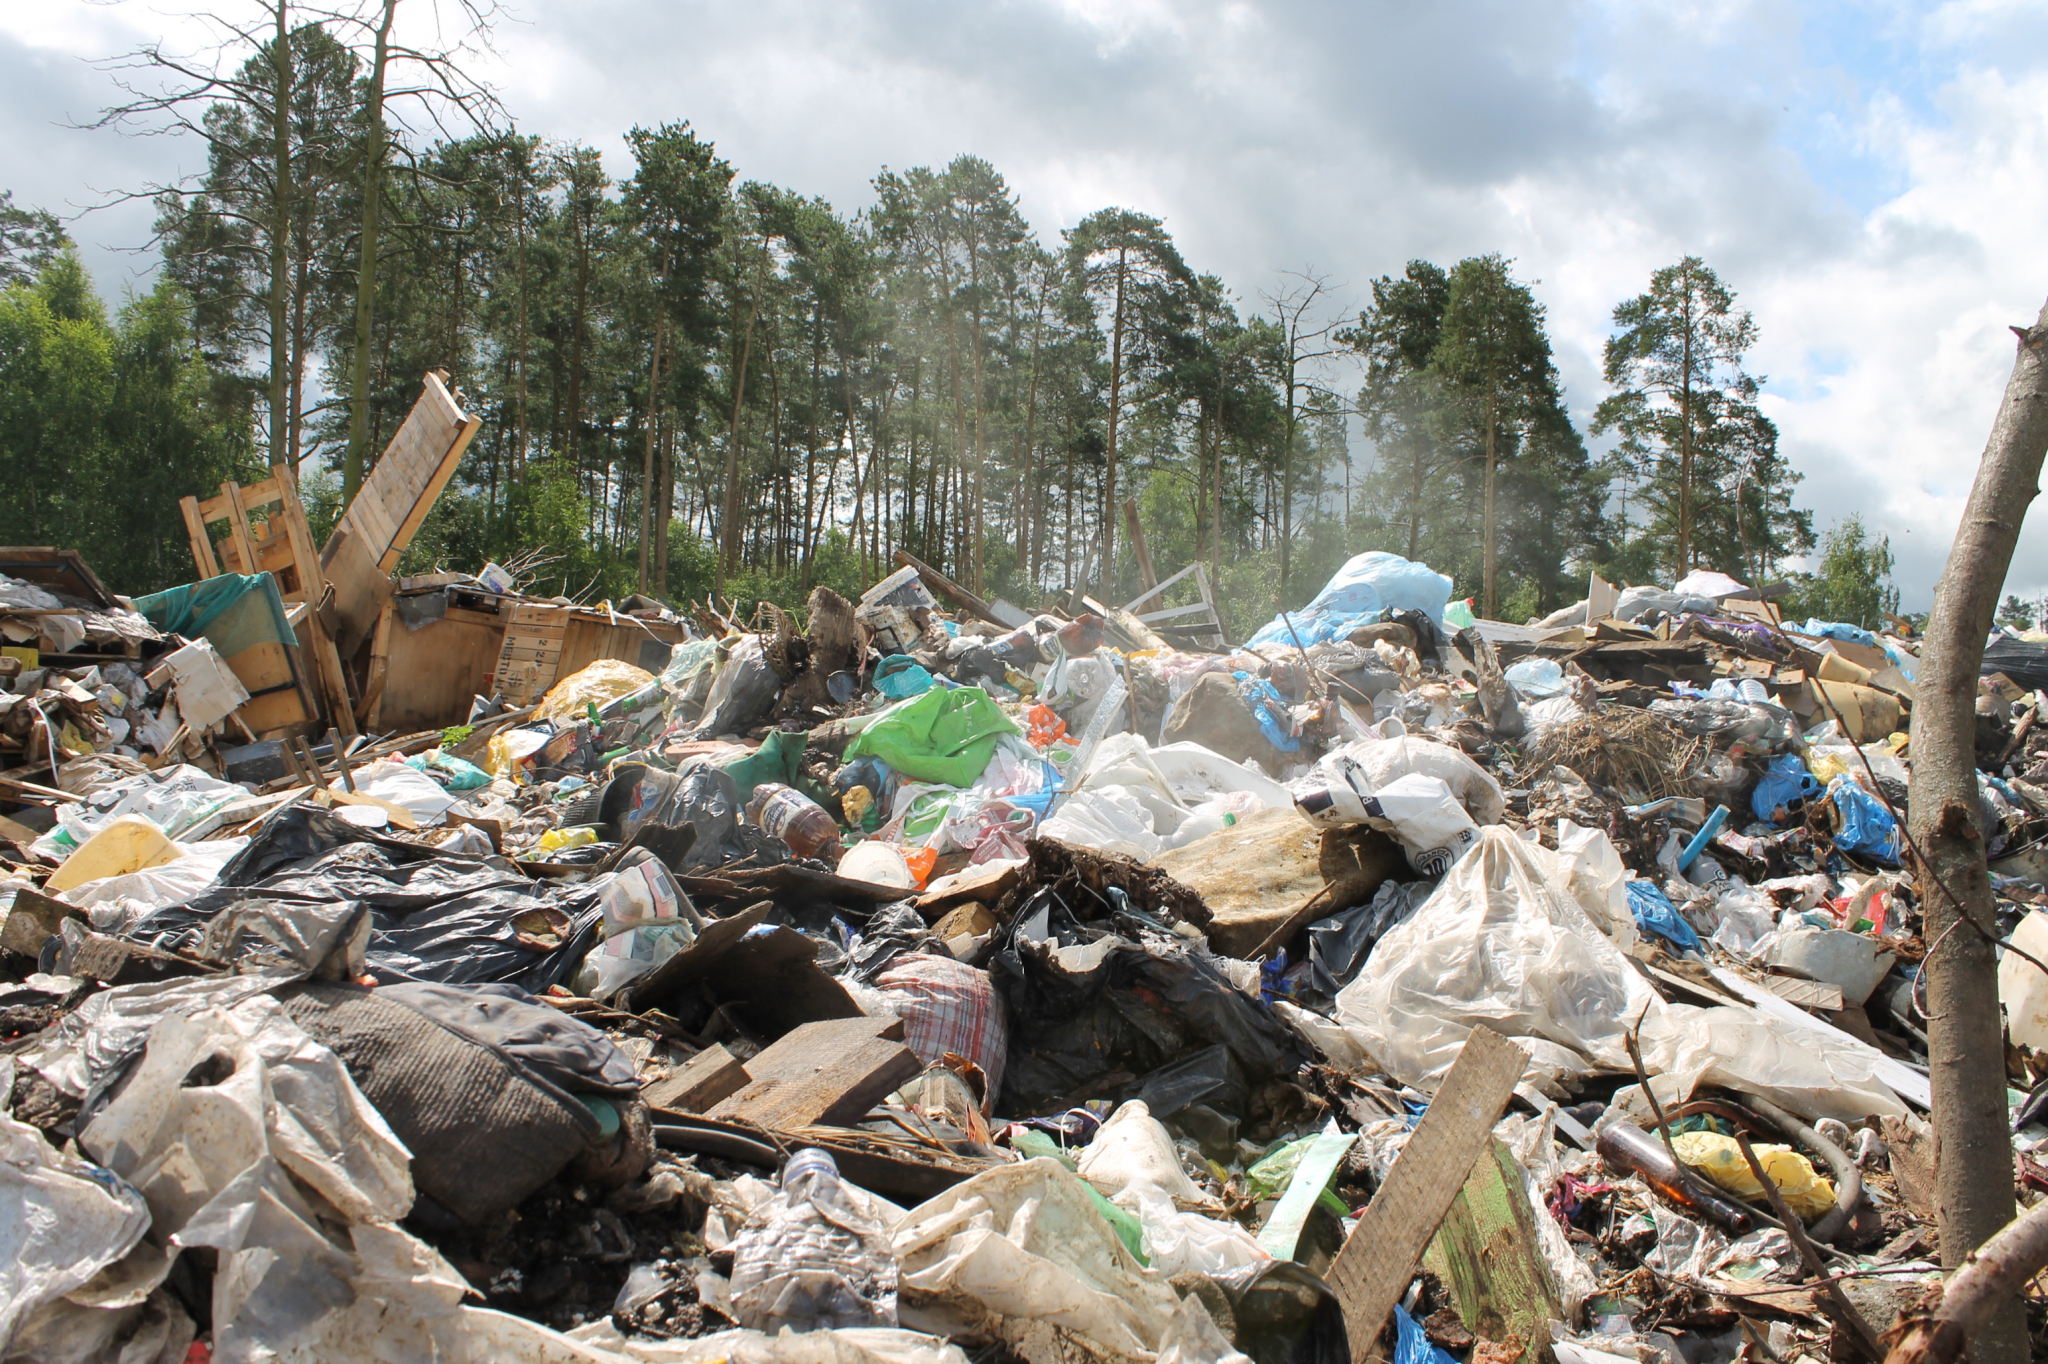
(1966, 1051)
(280, 230)
(729, 515)
(1116, 402)
(648, 482)
(1489, 578)
(352, 468)
(1975, 1294)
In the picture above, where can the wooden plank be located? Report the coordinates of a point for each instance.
(1149, 593)
(1487, 1254)
(947, 588)
(313, 582)
(33, 920)
(832, 1071)
(1209, 597)
(372, 704)
(202, 543)
(390, 506)
(1171, 612)
(699, 1083)
(238, 522)
(1380, 1256)
(1807, 994)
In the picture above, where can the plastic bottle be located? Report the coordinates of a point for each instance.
(790, 815)
(817, 1261)
(1081, 635)
(1629, 1149)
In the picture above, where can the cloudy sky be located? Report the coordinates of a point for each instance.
(1862, 174)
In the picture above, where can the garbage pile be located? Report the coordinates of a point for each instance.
(905, 981)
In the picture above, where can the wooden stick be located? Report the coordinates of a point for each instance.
(348, 781)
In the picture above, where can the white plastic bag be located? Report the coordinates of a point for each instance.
(59, 1223)
(1023, 1248)
(1501, 942)
(1134, 1148)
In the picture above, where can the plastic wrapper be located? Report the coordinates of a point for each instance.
(1537, 678)
(1785, 786)
(174, 799)
(1368, 764)
(394, 781)
(433, 918)
(1180, 1242)
(510, 752)
(1116, 1006)
(742, 692)
(451, 771)
(223, 1165)
(1759, 725)
(1636, 602)
(1022, 1248)
(1338, 943)
(1500, 942)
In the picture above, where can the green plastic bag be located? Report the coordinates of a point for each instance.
(1033, 1144)
(945, 735)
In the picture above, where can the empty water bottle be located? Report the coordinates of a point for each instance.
(817, 1261)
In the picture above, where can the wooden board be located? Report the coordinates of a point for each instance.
(1380, 1256)
(33, 920)
(435, 670)
(832, 1071)
(700, 1082)
(1487, 1254)
(1807, 994)
(386, 513)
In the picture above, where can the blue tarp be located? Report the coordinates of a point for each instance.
(1361, 592)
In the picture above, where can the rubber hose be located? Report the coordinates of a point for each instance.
(1848, 1178)
(712, 1142)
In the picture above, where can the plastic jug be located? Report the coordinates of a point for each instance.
(818, 1261)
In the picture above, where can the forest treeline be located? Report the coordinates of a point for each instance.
(691, 381)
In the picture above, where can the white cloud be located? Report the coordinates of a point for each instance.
(1870, 182)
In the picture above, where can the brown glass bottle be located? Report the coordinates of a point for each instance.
(1628, 1149)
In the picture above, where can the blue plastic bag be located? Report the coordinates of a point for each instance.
(1411, 1346)
(1834, 629)
(1867, 827)
(900, 677)
(1656, 914)
(454, 773)
(1784, 784)
(1361, 592)
(1268, 708)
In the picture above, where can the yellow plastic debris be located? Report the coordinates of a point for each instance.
(1717, 1157)
(503, 755)
(605, 680)
(554, 840)
(130, 843)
